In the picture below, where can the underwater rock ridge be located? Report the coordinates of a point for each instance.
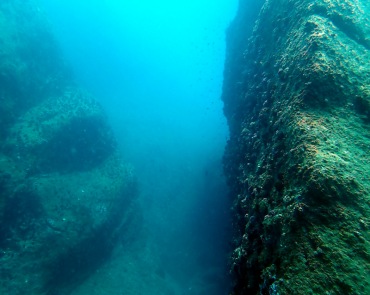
(297, 101)
(65, 193)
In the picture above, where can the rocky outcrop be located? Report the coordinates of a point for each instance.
(65, 194)
(297, 99)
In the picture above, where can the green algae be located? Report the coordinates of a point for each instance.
(298, 156)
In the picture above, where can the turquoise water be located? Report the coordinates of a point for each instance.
(157, 69)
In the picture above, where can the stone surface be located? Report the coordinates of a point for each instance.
(296, 96)
(65, 194)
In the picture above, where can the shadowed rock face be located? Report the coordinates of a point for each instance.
(298, 106)
(64, 192)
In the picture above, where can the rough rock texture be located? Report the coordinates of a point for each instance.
(297, 98)
(65, 194)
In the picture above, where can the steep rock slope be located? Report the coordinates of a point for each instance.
(65, 194)
(297, 99)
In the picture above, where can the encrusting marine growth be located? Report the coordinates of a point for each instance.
(297, 99)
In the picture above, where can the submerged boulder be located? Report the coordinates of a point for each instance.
(65, 193)
(296, 96)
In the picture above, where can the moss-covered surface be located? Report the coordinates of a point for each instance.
(299, 153)
(65, 194)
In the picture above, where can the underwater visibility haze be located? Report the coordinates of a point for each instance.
(184, 147)
(157, 69)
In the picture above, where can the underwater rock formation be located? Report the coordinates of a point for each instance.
(65, 193)
(297, 99)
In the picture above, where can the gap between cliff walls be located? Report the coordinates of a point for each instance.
(162, 98)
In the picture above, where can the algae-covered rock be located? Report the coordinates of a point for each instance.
(30, 63)
(298, 157)
(65, 193)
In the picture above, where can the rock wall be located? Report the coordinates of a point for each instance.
(297, 99)
(65, 194)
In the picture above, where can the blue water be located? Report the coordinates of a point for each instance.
(157, 68)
